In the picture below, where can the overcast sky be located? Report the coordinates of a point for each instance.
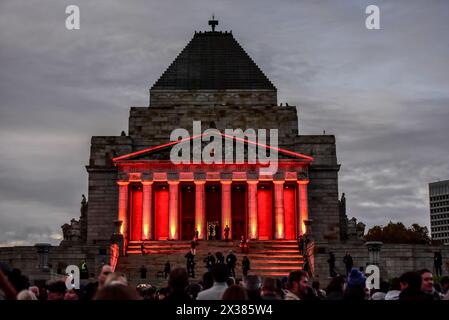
(383, 93)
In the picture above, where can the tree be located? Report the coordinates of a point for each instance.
(399, 233)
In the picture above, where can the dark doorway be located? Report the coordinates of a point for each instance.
(187, 203)
(238, 210)
(213, 210)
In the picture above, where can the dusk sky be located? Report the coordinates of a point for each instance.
(383, 93)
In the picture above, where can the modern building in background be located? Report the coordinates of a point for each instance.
(439, 210)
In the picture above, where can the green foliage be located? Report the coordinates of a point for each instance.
(399, 233)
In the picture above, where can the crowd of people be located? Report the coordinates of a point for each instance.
(220, 283)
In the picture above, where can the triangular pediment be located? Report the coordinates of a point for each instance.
(162, 152)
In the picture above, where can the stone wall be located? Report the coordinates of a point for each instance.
(153, 126)
(395, 259)
(160, 98)
(25, 258)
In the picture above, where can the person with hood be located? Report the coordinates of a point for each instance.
(356, 286)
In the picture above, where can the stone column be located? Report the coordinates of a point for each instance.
(123, 206)
(173, 204)
(147, 212)
(252, 209)
(226, 218)
(279, 217)
(303, 205)
(200, 209)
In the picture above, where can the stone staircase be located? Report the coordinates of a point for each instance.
(274, 258)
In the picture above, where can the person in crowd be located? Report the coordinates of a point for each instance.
(226, 232)
(242, 243)
(220, 274)
(91, 288)
(35, 290)
(7, 289)
(208, 280)
(247, 246)
(438, 263)
(336, 288)
(193, 290)
(116, 278)
(410, 283)
(193, 247)
(217, 232)
(444, 283)
(246, 266)
(167, 269)
(220, 257)
(319, 293)
(235, 293)
(230, 281)
(269, 290)
(143, 272)
(297, 284)
(196, 236)
(71, 294)
(331, 263)
(394, 291)
(190, 260)
(26, 295)
(427, 284)
(178, 282)
(356, 286)
(380, 294)
(209, 261)
(348, 262)
(211, 231)
(56, 290)
(253, 283)
(301, 244)
(231, 261)
(117, 291)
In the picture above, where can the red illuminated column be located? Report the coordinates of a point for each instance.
(147, 227)
(252, 209)
(279, 209)
(200, 205)
(226, 206)
(173, 210)
(303, 204)
(123, 206)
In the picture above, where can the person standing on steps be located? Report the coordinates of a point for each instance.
(167, 269)
(190, 264)
(349, 263)
(217, 232)
(226, 232)
(245, 266)
(231, 261)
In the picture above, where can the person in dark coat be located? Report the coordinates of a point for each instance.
(438, 263)
(211, 231)
(167, 269)
(143, 272)
(226, 232)
(209, 261)
(178, 282)
(331, 262)
(349, 263)
(246, 266)
(231, 261)
(217, 232)
(190, 264)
